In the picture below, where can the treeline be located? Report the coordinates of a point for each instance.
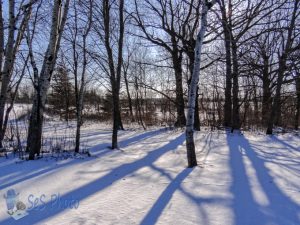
(136, 61)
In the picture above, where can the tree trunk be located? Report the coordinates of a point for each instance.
(235, 89)
(190, 145)
(12, 100)
(128, 96)
(297, 115)
(119, 117)
(255, 102)
(34, 139)
(79, 106)
(36, 117)
(115, 75)
(80, 93)
(282, 68)
(277, 119)
(228, 84)
(1, 39)
(191, 55)
(11, 50)
(138, 105)
(196, 115)
(276, 101)
(8, 64)
(116, 119)
(177, 64)
(266, 100)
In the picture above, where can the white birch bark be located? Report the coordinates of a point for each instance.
(59, 16)
(1, 39)
(190, 146)
(11, 50)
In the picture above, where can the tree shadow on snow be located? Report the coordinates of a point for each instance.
(163, 200)
(116, 174)
(140, 137)
(176, 185)
(37, 169)
(286, 144)
(25, 172)
(278, 209)
(129, 141)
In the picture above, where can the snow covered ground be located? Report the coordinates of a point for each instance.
(245, 179)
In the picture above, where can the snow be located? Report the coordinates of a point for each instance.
(241, 179)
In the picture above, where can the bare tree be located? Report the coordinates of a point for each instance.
(239, 20)
(289, 46)
(78, 38)
(42, 83)
(8, 56)
(110, 30)
(190, 145)
(297, 114)
(126, 64)
(164, 11)
(226, 16)
(13, 90)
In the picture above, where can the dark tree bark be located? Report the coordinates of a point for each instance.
(282, 67)
(266, 98)
(138, 104)
(177, 64)
(235, 88)
(228, 84)
(125, 70)
(173, 49)
(115, 74)
(196, 115)
(297, 115)
(80, 87)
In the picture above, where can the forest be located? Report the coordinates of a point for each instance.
(157, 90)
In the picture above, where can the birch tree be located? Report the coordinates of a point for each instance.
(13, 90)
(190, 145)
(42, 82)
(9, 52)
